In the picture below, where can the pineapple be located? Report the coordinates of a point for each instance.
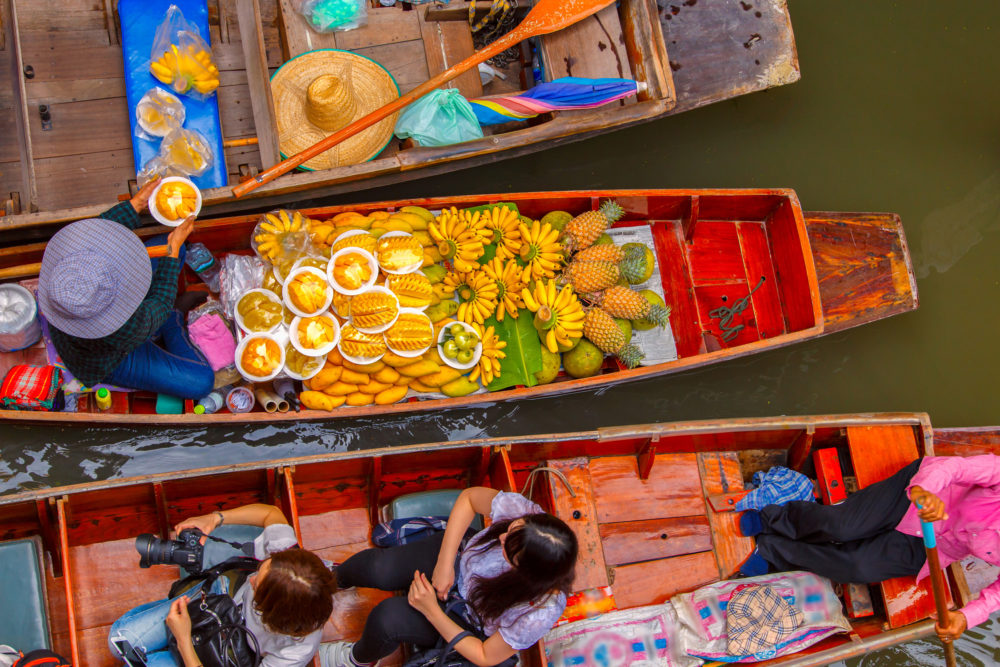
(591, 275)
(602, 330)
(581, 232)
(633, 260)
(606, 252)
(621, 301)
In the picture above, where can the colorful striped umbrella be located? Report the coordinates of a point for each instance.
(566, 93)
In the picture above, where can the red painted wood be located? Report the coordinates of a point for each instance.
(829, 476)
(581, 515)
(677, 289)
(711, 297)
(757, 261)
(636, 541)
(794, 267)
(673, 488)
(714, 254)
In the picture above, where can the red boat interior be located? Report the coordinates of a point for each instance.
(712, 248)
(652, 510)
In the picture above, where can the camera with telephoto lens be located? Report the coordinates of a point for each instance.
(185, 551)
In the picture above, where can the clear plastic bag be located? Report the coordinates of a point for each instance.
(19, 326)
(213, 335)
(281, 238)
(238, 275)
(439, 118)
(333, 15)
(182, 153)
(158, 113)
(181, 58)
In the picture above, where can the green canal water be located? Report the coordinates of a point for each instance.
(896, 111)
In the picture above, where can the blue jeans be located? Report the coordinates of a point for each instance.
(144, 626)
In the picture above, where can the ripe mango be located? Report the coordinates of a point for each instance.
(354, 377)
(388, 374)
(373, 367)
(435, 273)
(317, 400)
(340, 389)
(419, 369)
(441, 377)
(417, 385)
(395, 361)
(357, 399)
(463, 386)
(420, 212)
(391, 395)
(374, 387)
(424, 238)
(442, 311)
(324, 378)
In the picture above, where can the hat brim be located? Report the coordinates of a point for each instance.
(123, 248)
(373, 86)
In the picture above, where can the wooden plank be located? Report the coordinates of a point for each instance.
(386, 25)
(581, 515)
(647, 50)
(331, 529)
(863, 265)
(446, 44)
(722, 295)
(54, 92)
(673, 488)
(25, 147)
(83, 127)
(656, 581)
(258, 79)
(72, 56)
(60, 15)
(720, 473)
(967, 441)
(296, 35)
(793, 262)
(714, 254)
(593, 47)
(76, 180)
(757, 262)
(404, 60)
(236, 111)
(677, 288)
(636, 541)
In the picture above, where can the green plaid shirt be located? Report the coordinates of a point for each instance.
(93, 360)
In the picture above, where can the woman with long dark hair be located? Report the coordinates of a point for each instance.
(513, 576)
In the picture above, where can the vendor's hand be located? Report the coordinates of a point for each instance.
(443, 578)
(177, 237)
(206, 523)
(931, 507)
(422, 596)
(141, 198)
(178, 619)
(953, 628)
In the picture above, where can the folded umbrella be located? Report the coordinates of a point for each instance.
(569, 92)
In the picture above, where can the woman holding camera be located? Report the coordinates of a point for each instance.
(513, 576)
(285, 603)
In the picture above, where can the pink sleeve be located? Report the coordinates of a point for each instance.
(980, 609)
(938, 472)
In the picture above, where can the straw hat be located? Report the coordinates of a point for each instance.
(322, 91)
(94, 275)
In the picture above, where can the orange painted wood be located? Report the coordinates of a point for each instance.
(581, 515)
(636, 541)
(793, 260)
(673, 488)
(501, 475)
(878, 452)
(766, 301)
(725, 502)
(67, 581)
(333, 529)
(720, 473)
(655, 581)
(712, 297)
(677, 289)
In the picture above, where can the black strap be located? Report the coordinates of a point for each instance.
(451, 647)
(244, 547)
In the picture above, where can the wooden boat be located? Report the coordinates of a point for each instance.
(652, 510)
(821, 272)
(65, 140)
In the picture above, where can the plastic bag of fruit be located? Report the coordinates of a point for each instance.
(158, 113)
(181, 58)
(333, 15)
(281, 238)
(182, 153)
(238, 274)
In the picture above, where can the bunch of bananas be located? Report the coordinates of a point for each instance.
(477, 294)
(558, 313)
(279, 233)
(503, 224)
(184, 69)
(507, 275)
(489, 361)
(461, 237)
(540, 251)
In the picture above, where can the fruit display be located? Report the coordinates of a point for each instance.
(307, 292)
(450, 303)
(259, 312)
(261, 356)
(351, 270)
(186, 68)
(300, 365)
(176, 200)
(159, 112)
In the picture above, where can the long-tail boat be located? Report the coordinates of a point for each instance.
(65, 137)
(814, 273)
(652, 509)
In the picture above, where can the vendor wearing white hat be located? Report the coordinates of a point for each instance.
(105, 304)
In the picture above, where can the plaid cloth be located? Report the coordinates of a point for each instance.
(30, 387)
(758, 619)
(93, 360)
(777, 486)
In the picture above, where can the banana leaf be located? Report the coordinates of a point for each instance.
(524, 351)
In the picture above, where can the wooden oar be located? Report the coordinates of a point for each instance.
(546, 16)
(937, 584)
(32, 269)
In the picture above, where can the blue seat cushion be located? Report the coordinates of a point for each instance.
(427, 503)
(25, 623)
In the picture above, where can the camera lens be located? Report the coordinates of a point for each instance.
(145, 544)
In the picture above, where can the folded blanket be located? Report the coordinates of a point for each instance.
(214, 339)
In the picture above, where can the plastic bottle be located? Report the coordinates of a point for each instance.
(202, 261)
(103, 398)
(240, 399)
(213, 402)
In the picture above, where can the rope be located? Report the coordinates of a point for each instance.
(726, 315)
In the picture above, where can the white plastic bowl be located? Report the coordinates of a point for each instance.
(295, 376)
(411, 353)
(361, 361)
(159, 217)
(452, 362)
(243, 345)
(372, 264)
(407, 269)
(293, 336)
(287, 299)
(383, 327)
(270, 295)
